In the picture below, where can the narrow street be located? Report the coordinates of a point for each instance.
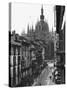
(45, 77)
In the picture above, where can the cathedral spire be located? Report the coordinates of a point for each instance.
(42, 16)
(42, 10)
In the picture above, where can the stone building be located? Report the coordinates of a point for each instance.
(60, 53)
(19, 59)
(41, 29)
(14, 60)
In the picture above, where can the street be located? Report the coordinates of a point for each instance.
(45, 78)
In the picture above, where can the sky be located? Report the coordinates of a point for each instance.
(24, 14)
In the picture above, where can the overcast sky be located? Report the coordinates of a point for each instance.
(24, 14)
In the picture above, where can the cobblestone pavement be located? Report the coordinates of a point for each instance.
(45, 77)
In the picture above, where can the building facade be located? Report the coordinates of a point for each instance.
(15, 60)
(25, 58)
(60, 53)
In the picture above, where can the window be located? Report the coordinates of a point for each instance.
(16, 51)
(11, 61)
(12, 51)
(11, 69)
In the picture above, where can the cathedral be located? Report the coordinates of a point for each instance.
(41, 29)
(41, 33)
